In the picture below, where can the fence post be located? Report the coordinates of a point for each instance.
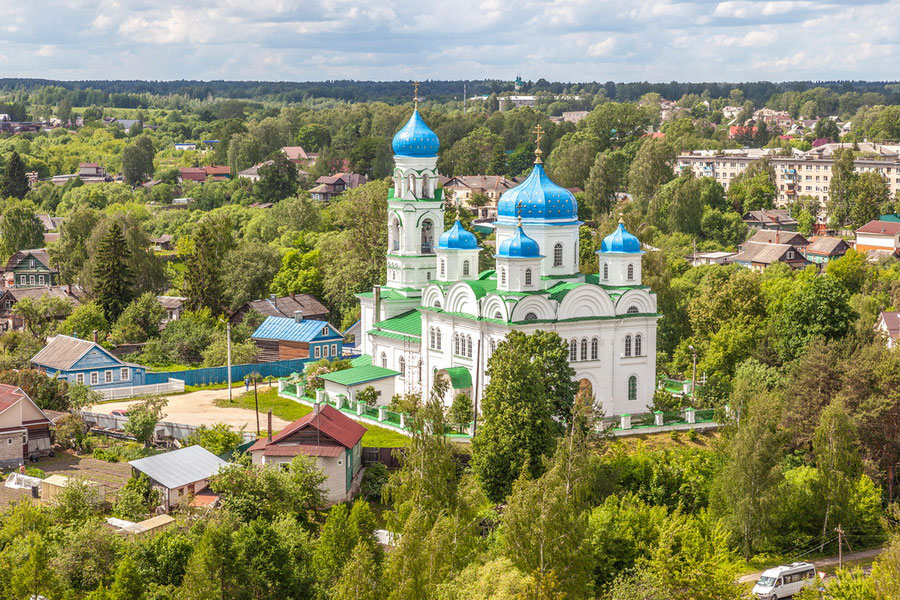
(381, 413)
(360, 408)
(658, 418)
(280, 386)
(320, 396)
(625, 421)
(690, 416)
(402, 420)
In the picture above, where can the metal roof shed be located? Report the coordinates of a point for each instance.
(180, 467)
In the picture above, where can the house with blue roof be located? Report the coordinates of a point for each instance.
(280, 338)
(87, 362)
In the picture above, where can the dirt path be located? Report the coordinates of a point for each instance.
(198, 408)
(824, 562)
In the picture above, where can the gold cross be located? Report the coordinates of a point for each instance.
(537, 150)
(416, 93)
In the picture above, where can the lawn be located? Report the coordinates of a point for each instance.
(289, 410)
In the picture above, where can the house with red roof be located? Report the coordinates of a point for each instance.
(334, 439)
(24, 428)
(879, 236)
(889, 326)
(201, 174)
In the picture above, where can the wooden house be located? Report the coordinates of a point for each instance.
(280, 338)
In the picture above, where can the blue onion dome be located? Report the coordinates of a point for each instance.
(621, 241)
(416, 139)
(536, 200)
(519, 246)
(457, 238)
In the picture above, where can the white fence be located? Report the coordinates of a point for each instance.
(153, 389)
(179, 431)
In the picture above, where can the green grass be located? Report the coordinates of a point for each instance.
(213, 386)
(287, 409)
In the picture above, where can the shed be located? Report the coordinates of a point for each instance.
(180, 473)
(347, 382)
(54, 484)
(280, 338)
(147, 528)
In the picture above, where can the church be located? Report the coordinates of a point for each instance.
(437, 313)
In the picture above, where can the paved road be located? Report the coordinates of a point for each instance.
(824, 562)
(198, 408)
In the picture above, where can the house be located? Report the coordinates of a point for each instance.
(90, 170)
(280, 338)
(349, 382)
(87, 362)
(334, 439)
(24, 428)
(330, 186)
(889, 325)
(773, 236)
(878, 235)
(252, 173)
(179, 474)
(462, 189)
(297, 155)
(758, 256)
(9, 321)
(710, 258)
(210, 172)
(163, 242)
(511, 102)
(736, 131)
(770, 219)
(53, 485)
(185, 146)
(285, 306)
(573, 116)
(824, 249)
(127, 124)
(174, 306)
(49, 223)
(29, 268)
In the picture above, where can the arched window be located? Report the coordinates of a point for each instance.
(493, 346)
(605, 270)
(632, 387)
(411, 180)
(498, 315)
(427, 237)
(443, 270)
(584, 349)
(465, 268)
(627, 345)
(456, 343)
(428, 276)
(419, 372)
(425, 184)
(527, 276)
(632, 310)
(502, 275)
(431, 343)
(384, 360)
(438, 336)
(630, 271)
(437, 303)
(469, 346)
(402, 367)
(557, 255)
(395, 234)
(530, 316)
(573, 351)
(637, 345)
(595, 349)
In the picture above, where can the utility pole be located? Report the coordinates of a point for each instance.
(464, 98)
(840, 533)
(256, 401)
(694, 373)
(228, 346)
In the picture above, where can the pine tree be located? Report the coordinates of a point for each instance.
(14, 183)
(202, 278)
(113, 288)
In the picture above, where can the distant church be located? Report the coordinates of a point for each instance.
(437, 314)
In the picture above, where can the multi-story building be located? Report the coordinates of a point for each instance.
(801, 174)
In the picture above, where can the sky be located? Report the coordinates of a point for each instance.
(559, 40)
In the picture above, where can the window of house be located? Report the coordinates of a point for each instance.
(630, 272)
(605, 270)
(24, 438)
(469, 346)
(584, 346)
(9, 441)
(530, 316)
(790, 254)
(456, 344)
(419, 372)
(442, 269)
(465, 267)
(431, 337)
(632, 387)
(31, 279)
(627, 345)
(125, 374)
(325, 350)
(334, 350)
(573, 351)
(95, 377)
(8, 304)
(557, 255)
(317, 352)
(384, 360)
(632, 310)
(595, 347)
(502, 276)
(401, 366)
(438, 339)
(41, 279)
(437, 303)
(637, 345)
(32, 263)
(107, 377)
(79, 378)
(527, 276)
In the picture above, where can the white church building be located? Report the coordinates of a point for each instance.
(438, 314)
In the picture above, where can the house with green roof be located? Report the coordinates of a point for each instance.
(437, 314)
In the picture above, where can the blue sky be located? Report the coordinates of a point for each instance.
(569, 40)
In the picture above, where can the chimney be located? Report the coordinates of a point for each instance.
(376, 294)
(298, 316)
(94, 332)
(269, 430)
(272, 297)
(316, 408)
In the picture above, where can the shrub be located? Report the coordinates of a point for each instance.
(373, 480)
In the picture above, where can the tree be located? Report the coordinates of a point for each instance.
(755, 192)
(136, 498)
(359, 578)
(871, 193)
(529, 386)
(571, 160)
(651, 168)
(140, 320)
(843, 179)
(474, 154)
(367, 396)
(247, 272)
(20, 229)
(204, 253)
(219, 439)
(461, 410)
(143, 417)
(13, 182)
(606, 179)
(70, 253)
(300, 273)
(837, 460)
(277, 180)
(827, 129)
(112, 273)
(137, 160)
(814, 306)
(84, 321)
(40, 315)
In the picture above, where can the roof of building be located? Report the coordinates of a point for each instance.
(770, 216)
(416, 139)
(38, 253)
(49, 223)
(9, 396)
(891, 218)
(63, 351)
(827, 246)
(408, 323)
(71, 293)
(163, 239)
(295, 153)
(877, 227)
(457, 238)
(180, 467)
(891, 320)
(519, 246)
(460, 378)
(171, 302)
(621, 241)
(774, 236)
(328, 420)
(358, 375)
(480, 182)
(289, 330)
(538, 200)
(285, 306)
(756, 252)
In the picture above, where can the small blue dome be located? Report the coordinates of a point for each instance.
(621, 241)
(457, 238)
(416, 139)
(519, 246)
(538, 199)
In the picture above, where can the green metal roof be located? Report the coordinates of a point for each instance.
(357, 375)
(891, 218)
(395, 336)
(386, 294)
(361, 361)
(409, 323)
(460, 377)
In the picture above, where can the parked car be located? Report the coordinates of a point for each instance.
(119, 413)
(785, 581)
